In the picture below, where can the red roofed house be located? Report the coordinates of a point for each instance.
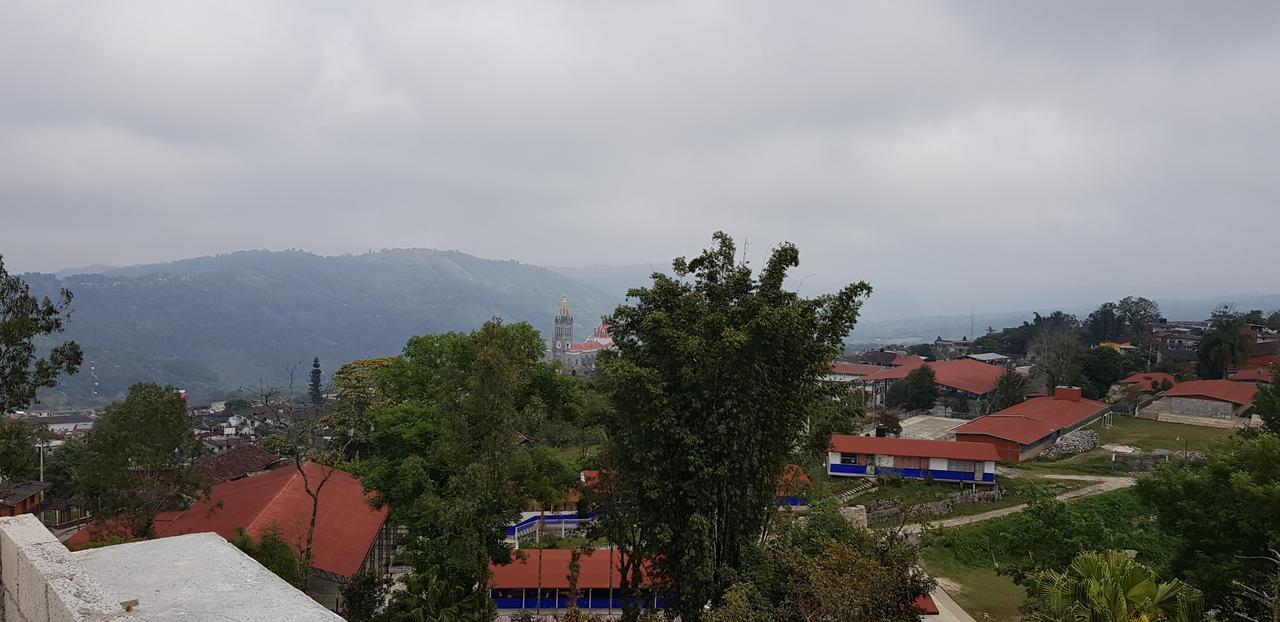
(848, 372)
(515, 587)
(965, 378)
(1148, 382)
(350, 535)
(1253, 375)
(1216, 403)
(868, 456)
(1022, 431)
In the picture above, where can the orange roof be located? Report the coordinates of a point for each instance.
(961, 374)
(793, 480)
(1264, 360)
(926, 606)
(854, 369)
(1144, 380)
(1253, 374)
(1220, 390)
(1033, 419)
(594, 569)
(912, 447)
(346, 526)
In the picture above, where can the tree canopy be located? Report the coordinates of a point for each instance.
(717, 372)
(919, 390)
(1223, 347)
(443, 455)
(25, 320)
(1110, 586)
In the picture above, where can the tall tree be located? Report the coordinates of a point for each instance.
(18, 440)
(1138, 315)
(1104, 324)
(1273, 320)
(140, 458)
(316, 390)
(1266, 402)
(1102, 367)
(919, 390)
(1224, 346)
(716, 374)
(24, 321)
(1055, 355)
(443, 456)
(1011, 389)
(1109, 586)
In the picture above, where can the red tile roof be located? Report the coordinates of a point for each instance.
(235, 463)
(1144, 379)
(1220, 390)
(1264, 360)
(594, 569)
(346, 527)
(962, 374)
(793, 480)
(1033, 419)
(912, 447)
(854, 369)
(926, 606)
(1253, 374)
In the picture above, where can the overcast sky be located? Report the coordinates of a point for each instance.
(965, 153)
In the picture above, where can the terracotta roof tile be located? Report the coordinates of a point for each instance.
(1033, 419)
(912, 447)
(1220, 390)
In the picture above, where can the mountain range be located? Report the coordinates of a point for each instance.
(239, 320)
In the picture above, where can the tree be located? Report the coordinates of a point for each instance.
(1011, 390)
(274, 553)
(1224, 346)
(25, 321)
(1109, 586)
(1102, 367)
(922, 350)
(315, 390)
(716, 374)
(1104, 324)
(18, 439)
(443, 455)
(827, 569)
(1273, 320)
(1254, 316)
(918, 391)
(1055, 355)
(1138, 315)
(363, 596)
(1266, 402)
(1222, 512)
(140, 458)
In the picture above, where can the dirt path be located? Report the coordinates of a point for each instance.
(1101, 484)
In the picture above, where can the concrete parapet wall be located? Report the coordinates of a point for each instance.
(43, 582)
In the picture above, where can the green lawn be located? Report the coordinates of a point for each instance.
(982, 591)
(1150, 435)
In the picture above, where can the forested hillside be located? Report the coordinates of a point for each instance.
(211, 324)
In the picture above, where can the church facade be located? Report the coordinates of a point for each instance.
(578, 359)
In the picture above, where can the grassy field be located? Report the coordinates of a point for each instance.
(980, 591)
(1150, 435)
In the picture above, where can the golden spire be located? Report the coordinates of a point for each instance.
(564, 304)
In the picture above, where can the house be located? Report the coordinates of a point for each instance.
(849, 372)
(951, 348)
(989, 357)
(350, 536)
(965, 378)
(1253, 375)
(236, 463)
(564, 517)
(21, 498)
(66, 424)
(1147, 382)
(539, 579)
(950, 461)
(1202, 402)
(1020, 432)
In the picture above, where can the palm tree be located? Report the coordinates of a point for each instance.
(1109, 586)
(1224, 346)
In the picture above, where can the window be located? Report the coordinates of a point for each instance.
(908, 462)
(849, 459)
(962, 465)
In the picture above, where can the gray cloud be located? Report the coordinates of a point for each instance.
(988, 154)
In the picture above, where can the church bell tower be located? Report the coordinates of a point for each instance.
(563, 339)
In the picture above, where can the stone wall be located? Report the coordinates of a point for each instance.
(1199, 407)
(889, 510)
(43, 582)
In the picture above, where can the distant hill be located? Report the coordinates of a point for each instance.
(209, 324)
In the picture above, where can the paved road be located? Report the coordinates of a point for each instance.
(1101, 484)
